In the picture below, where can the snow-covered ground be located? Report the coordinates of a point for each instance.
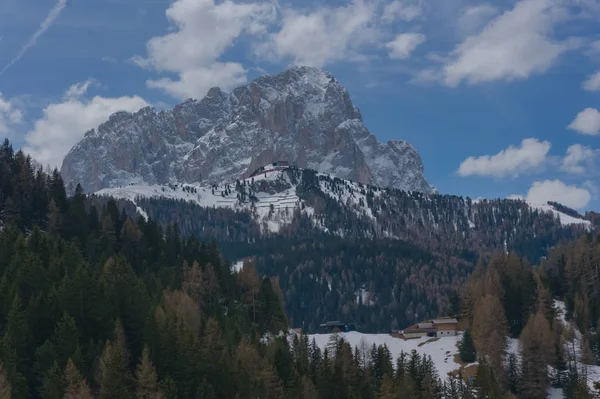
(276, 209)
(442, 351)
(593, 371)
(565, 219)
(272, 210)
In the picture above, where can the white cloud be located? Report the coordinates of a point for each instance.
(587, 122)
(77, 90)
(512, 46)
(592, 83)
(44, 26)
(593, 49)
(9, 115)
(404, 44)
(64, 124)
(475, 17)
(199, 80)
(401, 10)
(578, 159)
(201, 31)
(325, 35)
(555, 190)
(509, 162)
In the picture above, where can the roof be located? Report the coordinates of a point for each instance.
(445, 321)
(425, 325)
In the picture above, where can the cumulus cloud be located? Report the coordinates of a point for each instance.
(587, 122)
(511, 161)
(201, 31)
(513, 45)
(325, 35)
(401, 10)
(9, 115)
(64, 124)
(555, 190)
(592, 83)
(44, 26)
(475, 17)
(404, 44)
(578, 159)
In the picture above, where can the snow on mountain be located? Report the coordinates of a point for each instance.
(303, 115)
(272, 208)
(276, 200)
(565, 219)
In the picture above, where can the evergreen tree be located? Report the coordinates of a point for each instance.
(54, 383)
(115, 379)
(466, 348)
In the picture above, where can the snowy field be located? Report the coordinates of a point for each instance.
(442, 351)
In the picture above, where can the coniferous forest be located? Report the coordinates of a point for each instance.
(97, 304)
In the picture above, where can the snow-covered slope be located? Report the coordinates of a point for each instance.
(442, 350)
(303, 115)
(274, 203)
(276, 197)
(565, 219)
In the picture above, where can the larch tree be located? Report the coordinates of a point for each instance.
(536, 351)
(76, 386)
(490, 331)
(249, 281)
(146, 378)
(5, 387)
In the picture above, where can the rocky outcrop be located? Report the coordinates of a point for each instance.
(302, 115)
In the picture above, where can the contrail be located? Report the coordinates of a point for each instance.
(44, 26)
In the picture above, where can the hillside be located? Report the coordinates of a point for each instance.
(342, 248)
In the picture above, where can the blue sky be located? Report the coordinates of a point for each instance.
(500, 98)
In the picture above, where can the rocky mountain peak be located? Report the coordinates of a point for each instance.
(302, 115)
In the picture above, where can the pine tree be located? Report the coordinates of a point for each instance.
(169, 387)
(54, 383)
(147, 380)
(76, 386)
(466, 348)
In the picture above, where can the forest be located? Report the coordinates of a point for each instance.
(393, 260)
(508, 298)
(97, 304)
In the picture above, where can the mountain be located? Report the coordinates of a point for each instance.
(274, 197)
(303, 116)
(340, 248)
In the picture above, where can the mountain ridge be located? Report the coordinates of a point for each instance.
(303, 115)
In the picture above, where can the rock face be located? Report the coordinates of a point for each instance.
(302, 115)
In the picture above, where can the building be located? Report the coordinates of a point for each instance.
(442, 327)
(337, 326)
(445, 326)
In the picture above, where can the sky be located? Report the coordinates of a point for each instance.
(501, 99)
